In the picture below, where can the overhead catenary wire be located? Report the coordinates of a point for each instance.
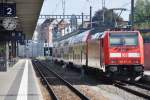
(126, 4)
(56, 6)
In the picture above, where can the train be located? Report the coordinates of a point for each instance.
(116, 53)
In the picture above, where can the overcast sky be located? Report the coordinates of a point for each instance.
(79, 6)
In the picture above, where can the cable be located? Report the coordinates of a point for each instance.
(126, 4)
(56, 6)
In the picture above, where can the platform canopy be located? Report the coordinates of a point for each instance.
(27, 12)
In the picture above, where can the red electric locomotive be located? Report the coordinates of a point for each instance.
(123, 53)
(117, 53)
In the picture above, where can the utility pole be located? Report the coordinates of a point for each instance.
(103, 7)
(90, 16)
(132, 14)
(63, 6)
(83, 19)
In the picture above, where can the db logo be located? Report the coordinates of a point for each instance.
(124, 55)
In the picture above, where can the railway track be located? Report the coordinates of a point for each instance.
(52, 80)
(140, 85)
(134, 88)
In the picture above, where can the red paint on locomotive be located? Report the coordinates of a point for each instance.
(147, 56)
(124, 55)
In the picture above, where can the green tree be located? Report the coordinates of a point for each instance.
(142, 13)
(111, 18)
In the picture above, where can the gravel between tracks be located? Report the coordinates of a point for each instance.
(85, 85)
(114, 90)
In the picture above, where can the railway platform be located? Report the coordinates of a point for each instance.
(146, 77)
(147, 72)
(20, 82)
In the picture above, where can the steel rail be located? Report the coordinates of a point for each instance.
(146, 87)
(119, 85)
(51, 92)
(76, 91)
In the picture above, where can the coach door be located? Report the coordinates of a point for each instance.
(101, 53)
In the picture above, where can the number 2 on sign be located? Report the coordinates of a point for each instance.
(9, 11)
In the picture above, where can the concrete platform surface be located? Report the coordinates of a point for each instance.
(147, 72)
(20, 82)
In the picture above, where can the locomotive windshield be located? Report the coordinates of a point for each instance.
(123, 39)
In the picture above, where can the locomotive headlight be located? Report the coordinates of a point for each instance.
(138, 68)
(136, 61)
(113, 68)
(134, 55)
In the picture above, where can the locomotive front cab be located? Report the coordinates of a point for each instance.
(125, 53)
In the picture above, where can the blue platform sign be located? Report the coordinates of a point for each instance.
(7, 9)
